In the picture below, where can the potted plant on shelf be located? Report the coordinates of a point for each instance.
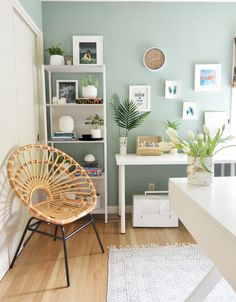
(127, 117)
(89, 87)
(96, 122)
(56, 55)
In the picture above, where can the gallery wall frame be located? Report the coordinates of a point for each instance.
(173, 89)
(207, 77)
(87, 50)
(190, 110)
(141, 95)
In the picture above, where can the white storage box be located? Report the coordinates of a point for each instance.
(153, 211)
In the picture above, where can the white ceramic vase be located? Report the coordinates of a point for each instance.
(123, 145)
(57, 60)
(197, 174)
(96, 133)
(174, 151)
(89, 91)
(66, 123)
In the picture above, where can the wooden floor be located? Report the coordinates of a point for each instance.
(39, 273)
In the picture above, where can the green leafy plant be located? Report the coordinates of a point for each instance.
(95, 121)
(126, 114)
(174, 125)
(200, 146)
(55, 50)
(89, 81)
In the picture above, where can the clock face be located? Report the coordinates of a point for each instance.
(154, 58)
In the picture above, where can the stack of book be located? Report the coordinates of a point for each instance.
(92, 168)
(64, 136)
(89, 101)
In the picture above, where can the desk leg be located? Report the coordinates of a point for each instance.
(122, 197)
(205, 286)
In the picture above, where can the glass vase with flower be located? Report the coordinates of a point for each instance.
(200, 150)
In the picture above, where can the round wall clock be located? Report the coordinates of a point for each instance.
(153, 58)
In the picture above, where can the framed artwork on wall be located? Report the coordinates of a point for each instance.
(207, 77)
(190, 111)
(67, 89)
(215, 120)
(87, 50)
(141, 96)
(173, 89)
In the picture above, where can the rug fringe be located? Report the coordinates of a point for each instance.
(148, 245)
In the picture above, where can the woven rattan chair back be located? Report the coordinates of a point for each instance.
(70, 191)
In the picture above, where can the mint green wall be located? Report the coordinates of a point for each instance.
(188, 34)
(34, 9)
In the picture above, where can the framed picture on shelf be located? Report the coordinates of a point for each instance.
(190, 111)
(173, 89)
(87, 50)
(207, 77)
(141, 96)
(67, 89)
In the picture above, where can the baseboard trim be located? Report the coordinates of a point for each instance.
(115, 209)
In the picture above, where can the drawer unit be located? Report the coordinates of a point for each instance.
(153, 211)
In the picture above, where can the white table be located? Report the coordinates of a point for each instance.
(209, 213)
(165, 159)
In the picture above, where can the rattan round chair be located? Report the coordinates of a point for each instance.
(68, 191)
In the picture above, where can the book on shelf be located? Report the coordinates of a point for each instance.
(89, 101)
(64, 136)
(92, 168)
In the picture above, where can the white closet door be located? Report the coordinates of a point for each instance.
(26, 80)
(18, 118)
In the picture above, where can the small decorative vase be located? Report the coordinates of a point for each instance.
(57, 60)
(96, 133)
(66, 123)
(197, 174)
(123, 145)
(89, 91)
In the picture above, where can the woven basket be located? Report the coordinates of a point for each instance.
(148, 145)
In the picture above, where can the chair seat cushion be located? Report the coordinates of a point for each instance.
(62, 211)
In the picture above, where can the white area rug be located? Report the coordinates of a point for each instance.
(160, 274)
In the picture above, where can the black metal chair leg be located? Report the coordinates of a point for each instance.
(65, 256)
(95, 229)
(55, 234)
(21, 241)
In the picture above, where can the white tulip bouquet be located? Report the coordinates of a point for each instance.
(200, 146)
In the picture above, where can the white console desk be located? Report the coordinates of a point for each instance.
(209, 213)
(165, 159)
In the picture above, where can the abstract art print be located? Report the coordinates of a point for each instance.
(87, 50)
(173, 89)
(190, 110)
(207, 77)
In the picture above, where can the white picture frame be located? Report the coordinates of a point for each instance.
(207, 77)
(67, 89)
(87, 50)
(173, 89)
(140, 94)
(190, 111)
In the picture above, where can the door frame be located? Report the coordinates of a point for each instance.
(19, 10)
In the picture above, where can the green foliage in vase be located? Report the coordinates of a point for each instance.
(95, 121)
(126, 114)
(55, 50)
(89, 81)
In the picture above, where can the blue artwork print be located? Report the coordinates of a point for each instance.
(190, 111)
(207, 77)
(172, 90)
